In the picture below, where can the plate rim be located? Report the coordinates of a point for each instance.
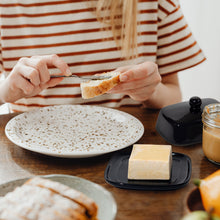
(66, 176)
(75, 154)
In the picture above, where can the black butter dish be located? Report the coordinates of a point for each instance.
(116, 174)
(181, 124)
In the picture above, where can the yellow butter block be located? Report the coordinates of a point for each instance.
(150, 162)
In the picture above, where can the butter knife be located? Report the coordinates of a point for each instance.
(94, 77)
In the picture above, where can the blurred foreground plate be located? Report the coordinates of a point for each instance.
(107, 207)
(74, 131)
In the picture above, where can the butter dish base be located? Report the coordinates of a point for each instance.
(116, 174)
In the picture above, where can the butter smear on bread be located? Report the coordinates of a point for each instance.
(95, 88)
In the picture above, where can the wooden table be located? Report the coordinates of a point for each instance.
(132, 205)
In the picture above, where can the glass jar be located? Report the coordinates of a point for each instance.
(211, 132)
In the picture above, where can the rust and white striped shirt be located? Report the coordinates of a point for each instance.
(69, 28)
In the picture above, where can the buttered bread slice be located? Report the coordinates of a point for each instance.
(150, 162)
(95, 88)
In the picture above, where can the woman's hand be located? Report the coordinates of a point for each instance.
(30, 76)
(138, 81)
(143, 83)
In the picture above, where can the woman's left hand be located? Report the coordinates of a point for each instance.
(138, 81)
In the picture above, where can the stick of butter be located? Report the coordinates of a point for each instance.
(150, 162)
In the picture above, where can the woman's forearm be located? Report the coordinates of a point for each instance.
(167, 92)
(1, 93)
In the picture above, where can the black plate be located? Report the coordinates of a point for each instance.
(117, 171)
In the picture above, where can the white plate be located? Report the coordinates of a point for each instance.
(74, 131)
(107, 207)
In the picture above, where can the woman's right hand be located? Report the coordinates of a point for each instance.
(30, 76)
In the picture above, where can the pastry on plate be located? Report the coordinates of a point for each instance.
(43, 199)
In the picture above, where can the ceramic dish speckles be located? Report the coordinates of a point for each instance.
(74, 130)
(107, 207)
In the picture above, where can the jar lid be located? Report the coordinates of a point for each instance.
(211, 115)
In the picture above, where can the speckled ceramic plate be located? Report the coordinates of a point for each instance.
(103, 198)
(74, 130)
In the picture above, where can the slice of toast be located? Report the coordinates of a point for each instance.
(95, 88)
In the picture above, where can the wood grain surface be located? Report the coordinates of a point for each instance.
(18, 163)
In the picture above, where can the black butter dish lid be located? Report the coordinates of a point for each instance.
(116, 174)
(181, 124)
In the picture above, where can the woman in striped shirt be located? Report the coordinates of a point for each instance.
(149, 41)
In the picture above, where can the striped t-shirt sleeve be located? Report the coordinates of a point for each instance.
(177, 49)
(1, 63)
